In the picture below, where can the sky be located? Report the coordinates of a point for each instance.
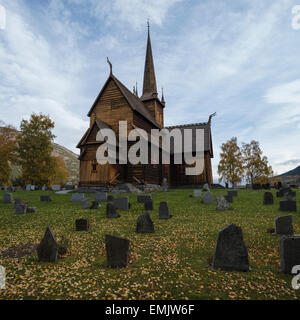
(239, 58)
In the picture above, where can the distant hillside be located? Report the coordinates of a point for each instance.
(294, 172)
(70, 158)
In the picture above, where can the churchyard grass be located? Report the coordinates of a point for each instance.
(172, 263)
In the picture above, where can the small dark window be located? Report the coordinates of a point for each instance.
(94, 167)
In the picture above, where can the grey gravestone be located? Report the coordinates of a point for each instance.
(77, 197)
(82, 225)
(143, 198)
(18, 202)
(32, 188)
(284, 225)
(121, 203)
(228, 198)
(148, 205)
(47, 250)
(86, 203)
(206, 187)
(45, 199)
(28, 187)
(117, 251)
(111, 211)
(232, 193)
(144, 224)
(222, 204)
(268, 198)
(283, 191)
(44, 188)
(231, 253)
(31, 209)
(95, 205)
(289, 196)
(101, 196)
(208, 197)
(165, 185)
(8, 198)
(289, 253)
(163, 212)
(56, 188)
(288, 206)
(197, 193)
(20, 209)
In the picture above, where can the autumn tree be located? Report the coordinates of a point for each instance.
(8, 150)
(230, 167)
(35, 149)
(257, 169)
(61, 173)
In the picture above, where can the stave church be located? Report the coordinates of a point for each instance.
(117, 103)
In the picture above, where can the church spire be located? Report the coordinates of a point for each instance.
(149, 89)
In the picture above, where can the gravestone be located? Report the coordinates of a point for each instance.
(31, 209)
(101, 196)
(284, 225)
(86, 203)
(232, 193)
(283, 191)
(222, 204)
(268, 198)
(143, 198)
(148, 205)
(288, 206)
(121, 203)
(32, 188)
(28, 187)
(95, 205)
(21, 209)
(45, 198)
(18, 202)
(289, 253)
(163, 211)
(144, 224)
(197, 193)
(289, 196)
(110, 198)
(165, 185)
(77, 197)
(207, 198)
(82, 225)
(8, 198)
(56, 187)
(47, 250)
(117, 251)
(228, 198)
(44, 188)
(231, 253)
(111, 211)
(206, 187)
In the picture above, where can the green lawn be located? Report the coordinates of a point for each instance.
(172, 263)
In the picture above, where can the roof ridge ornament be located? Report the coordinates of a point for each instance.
(110, 65)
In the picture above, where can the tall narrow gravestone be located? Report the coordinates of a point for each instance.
(8, 198)
(111, 211)
(163, 212)
(284, 226)
(144, 224)
(231, 253)
(289, 253)
(268, 198)
(117, 251)
(47, 250)
(148, 205)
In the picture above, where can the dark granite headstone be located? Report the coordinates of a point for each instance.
(82, 225)
(289, 253)
(163, 212)
(229, 198)
(148, 205)
(95, 205)
(284, 225)
(288, 206)
(111, 211)
(117, 251)
(18, 202)
(21, 209)
(231, 253)
(47, 250)
(232, 193)
(45, 199)
(268, 198)
(144, 224)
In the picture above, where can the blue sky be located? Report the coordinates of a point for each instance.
(239, 58)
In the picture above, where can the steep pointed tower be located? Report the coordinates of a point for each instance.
(150, 95)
